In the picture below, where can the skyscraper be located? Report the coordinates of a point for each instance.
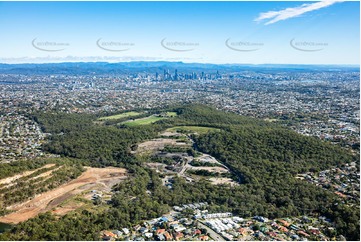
(175, 75)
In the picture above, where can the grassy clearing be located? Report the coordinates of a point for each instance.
(119, 116)
(171, 114)
(271, 120)
(149, 120)
(143, 121)
(192, 129)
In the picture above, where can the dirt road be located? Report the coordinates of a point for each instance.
(10, 180)
(48, 200)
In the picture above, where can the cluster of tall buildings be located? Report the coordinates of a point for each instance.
(168, 76)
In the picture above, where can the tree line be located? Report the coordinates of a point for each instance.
(265, 157)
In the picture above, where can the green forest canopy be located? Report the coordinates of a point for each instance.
(264, 155)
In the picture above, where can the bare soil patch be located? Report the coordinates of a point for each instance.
(218, 181)
(64, 209)
(171, 134)
(10, 180)
(49, 200)
(210, 169)
(208, 158)
(47, 174)
(155, 144)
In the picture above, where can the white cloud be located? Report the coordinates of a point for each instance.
(275, 16)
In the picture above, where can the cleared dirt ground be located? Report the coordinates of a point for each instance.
(210, 169)
(68, 207)
(9, 180)
(92, 177)
(217, 181)
(47, 174)
(171, 134)
(157, 144)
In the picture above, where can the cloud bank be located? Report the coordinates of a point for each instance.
(275, 16)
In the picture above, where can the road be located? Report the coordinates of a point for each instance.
(211, 232)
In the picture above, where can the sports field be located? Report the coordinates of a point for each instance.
(122, 115)
(149, 120)
(143, 121)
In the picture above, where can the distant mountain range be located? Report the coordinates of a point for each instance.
(70, 68)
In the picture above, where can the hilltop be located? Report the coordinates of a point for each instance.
(190, 154)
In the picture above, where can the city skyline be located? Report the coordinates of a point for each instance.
(325, 32)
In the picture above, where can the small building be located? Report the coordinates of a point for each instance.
(179, 229)
(160, 237)
(283, 229)
(177, 208)
(173, 226)
(107, 235)
(295, 237)
(284, 222)
(168, 236)
(143, 230)
(164, 219)
(294, 227)
(303, 233)
(148, 235)
(243, 231)
(117, 233)
(179, 235)
(160, 231)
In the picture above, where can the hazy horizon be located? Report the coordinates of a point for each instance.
(183, 62)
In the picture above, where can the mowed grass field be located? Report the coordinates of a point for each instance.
(122, 115)
(171, 114)
(143, 121)
(196, 129)
(149, 120)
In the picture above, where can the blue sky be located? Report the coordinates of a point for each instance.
(191, 32)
